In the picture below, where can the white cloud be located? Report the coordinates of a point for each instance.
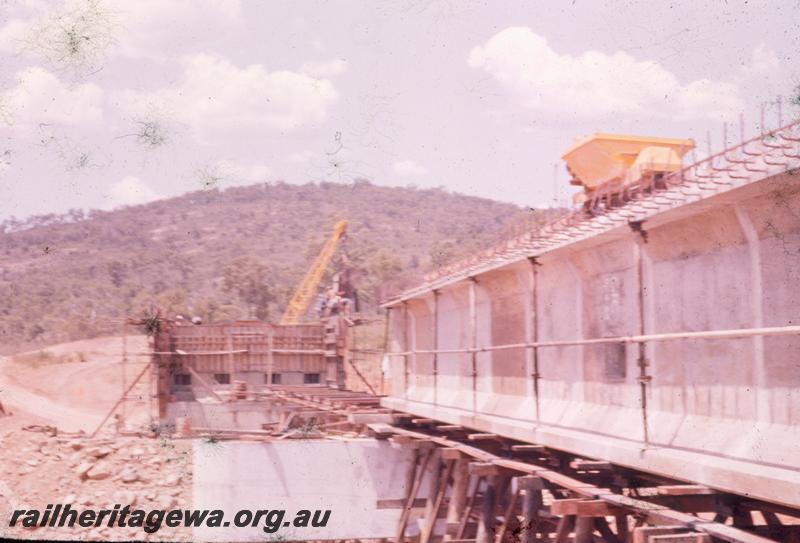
(130, 191)
(762, 61)
(71, 35)
(597, 84)
(159, 30)
(13, 35)
(41, 97)
(327, 68)
(300, 157)
(214, 97)
(152, 29)
(408, 168)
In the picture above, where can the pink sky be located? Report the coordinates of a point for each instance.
(480, 98)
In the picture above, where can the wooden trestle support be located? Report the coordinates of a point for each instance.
(484, 488)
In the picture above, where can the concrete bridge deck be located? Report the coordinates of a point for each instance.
(412, 477)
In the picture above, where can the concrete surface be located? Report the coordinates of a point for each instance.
(347, 477)
(722, 412)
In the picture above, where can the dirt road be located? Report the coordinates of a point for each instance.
(73, 395)
(39, 409)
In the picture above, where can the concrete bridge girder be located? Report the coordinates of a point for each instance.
(722, 263)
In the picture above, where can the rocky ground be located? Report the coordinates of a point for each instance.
(38, 469)
(40, 466)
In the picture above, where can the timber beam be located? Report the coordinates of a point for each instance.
(491, 489)
(582, 515)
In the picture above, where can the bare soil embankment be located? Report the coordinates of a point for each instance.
(57, 397)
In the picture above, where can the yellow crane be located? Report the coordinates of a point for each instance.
(307, 288)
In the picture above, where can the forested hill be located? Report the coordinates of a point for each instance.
(223, 254)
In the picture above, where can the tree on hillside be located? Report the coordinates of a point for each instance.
(382, 275)
(117, 273)
(442, 252)
(250, 280)
(167, 302)
(169, 256)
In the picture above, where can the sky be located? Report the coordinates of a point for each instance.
(107, 103)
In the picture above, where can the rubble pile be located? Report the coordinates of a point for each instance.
(40, 468)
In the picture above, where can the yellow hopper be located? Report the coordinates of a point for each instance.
(601, 158)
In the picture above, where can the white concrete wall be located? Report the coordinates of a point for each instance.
(454, 380)
(731, 261)
(420, 385)
(346, 477)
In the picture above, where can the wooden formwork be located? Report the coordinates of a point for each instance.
(250, 346)
(252, 351)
